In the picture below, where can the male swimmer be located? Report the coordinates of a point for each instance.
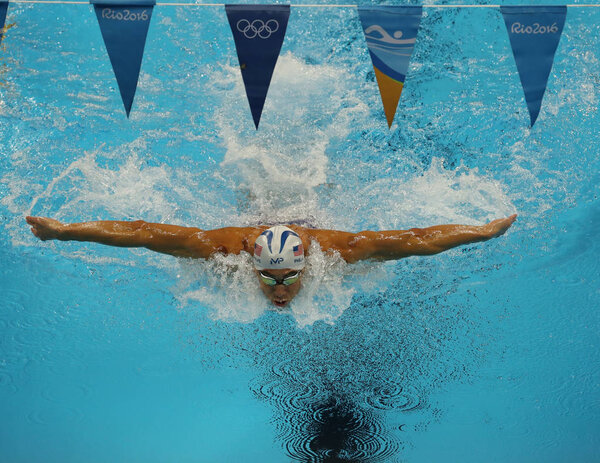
(278, 252)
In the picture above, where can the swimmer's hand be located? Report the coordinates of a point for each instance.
(45, 228)
(498, 227)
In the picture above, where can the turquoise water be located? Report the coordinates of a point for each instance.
(485, 353)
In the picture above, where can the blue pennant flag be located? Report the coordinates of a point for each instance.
(534, 33)
(258, 32)
(124, 26)
(391, 33)
(3, 8)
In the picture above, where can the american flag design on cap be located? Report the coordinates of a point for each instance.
(298, 250)
(278, 247)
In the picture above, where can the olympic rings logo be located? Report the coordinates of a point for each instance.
(257, 28)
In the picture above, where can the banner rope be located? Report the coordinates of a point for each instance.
(66, 2)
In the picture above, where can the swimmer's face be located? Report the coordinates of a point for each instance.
(280, 295)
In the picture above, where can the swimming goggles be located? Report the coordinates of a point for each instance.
(287, 281)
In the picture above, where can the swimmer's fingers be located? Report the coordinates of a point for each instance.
(36, 226)
(498, 227)
(44, 228)
(31, 220)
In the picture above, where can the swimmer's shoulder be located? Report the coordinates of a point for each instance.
(328, 240)
(232, 240)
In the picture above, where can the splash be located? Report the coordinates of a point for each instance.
(279, 170)
(227, 284)
(434, 196)
(329, 285)
(280, 174)
(111, 185)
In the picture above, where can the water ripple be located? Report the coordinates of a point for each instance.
(37, 338)
(340, 431)
(393, 396)
(51, 415)
(15, 296)
(12, 306)
(6, 383)
(66, 393)
(317, 424)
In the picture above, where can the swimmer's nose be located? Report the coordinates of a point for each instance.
(280, 290)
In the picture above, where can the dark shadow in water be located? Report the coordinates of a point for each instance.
(341, 432)
(317, 424)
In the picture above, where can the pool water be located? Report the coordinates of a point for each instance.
(488, 352)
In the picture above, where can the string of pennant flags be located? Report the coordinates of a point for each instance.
(390, 33)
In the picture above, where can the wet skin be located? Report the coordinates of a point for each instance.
(202, 244)
(280, 295)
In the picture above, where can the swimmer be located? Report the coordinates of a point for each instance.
(278, 252)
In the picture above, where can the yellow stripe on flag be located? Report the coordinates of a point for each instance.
(390, 90)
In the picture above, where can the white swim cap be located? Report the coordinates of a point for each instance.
(278, 247)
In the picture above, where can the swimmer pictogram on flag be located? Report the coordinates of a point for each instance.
(258, 32)
(3, 8)
(124, 26)
(391, 33)
(534, 33)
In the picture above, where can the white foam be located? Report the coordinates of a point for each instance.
(228, 286)
(278, 167)
(434, 196)
(329, 284)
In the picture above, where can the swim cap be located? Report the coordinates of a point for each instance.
(278, 247)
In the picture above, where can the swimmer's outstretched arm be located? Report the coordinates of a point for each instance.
(397, 244)
(167, 239)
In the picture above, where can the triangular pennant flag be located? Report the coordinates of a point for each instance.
(534, 33)
(391, 33)
(3, 8)
(124, 26)
(258, 32)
